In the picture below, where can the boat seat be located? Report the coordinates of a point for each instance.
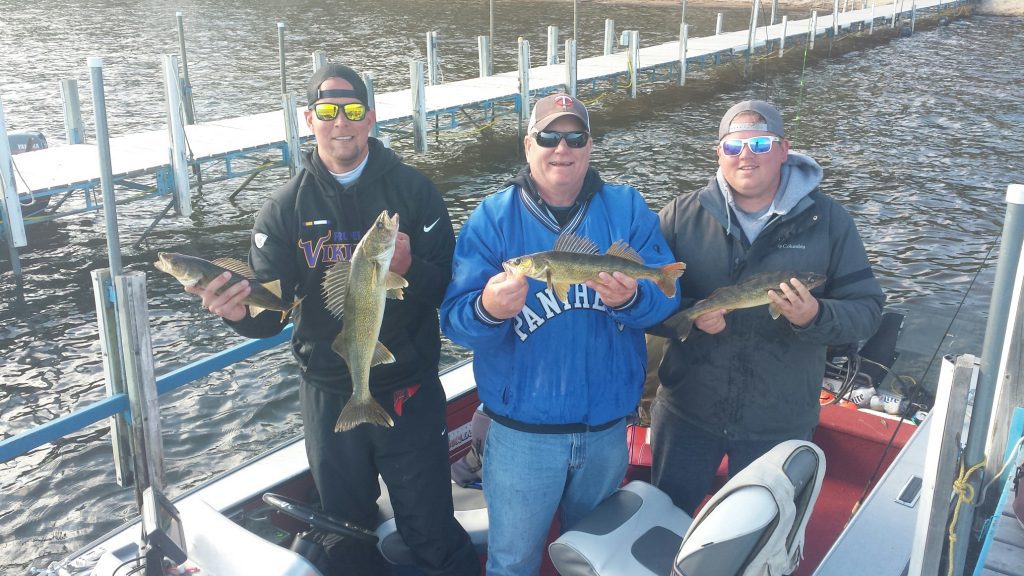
(217, 545)
(753, 525)
(470, 511)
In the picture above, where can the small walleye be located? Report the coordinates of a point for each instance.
(747, 294)
(574, 260)
(356, 292)
(194, 271)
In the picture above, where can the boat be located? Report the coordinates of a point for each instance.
(258, 518)
(21, 142)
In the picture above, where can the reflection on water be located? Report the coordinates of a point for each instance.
(918, 136)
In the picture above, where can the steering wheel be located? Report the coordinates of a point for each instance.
(318, 519)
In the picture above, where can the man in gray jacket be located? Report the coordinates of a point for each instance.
(743, 382)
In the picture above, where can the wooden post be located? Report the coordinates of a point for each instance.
(812, 29)
(176, 136)
(137, 350)
(782, 40)
(371, 101)
(490, 43)
(186, 84)
(419, 108)
(576, 21)
(609, 36)
(940, 463)
(14, 225)
(291, 133)
(751, 33)
(75, 132)
(684, 32)
(552, 45)
(483, 44)
(432, 67)
(719, 22)
(99, 103)
(570, 66)
(280, 57)
(319, 58)
(633, 60)
(113, 371)
(524, 86)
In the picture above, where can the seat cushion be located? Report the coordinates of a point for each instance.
(470, 511)
(635, 531)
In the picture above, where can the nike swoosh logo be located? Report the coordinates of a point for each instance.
(431, 227)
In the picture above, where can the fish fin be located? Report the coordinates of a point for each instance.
(274, 287)
(335, 287)
(570, 242)
(237, 267)
(560, 290)
(368, 411)
(774, 311)
(669, 273)
(394, 284)
(381, 355)
(255, 311)
(681, 325)
(622, 249)
(338, 346)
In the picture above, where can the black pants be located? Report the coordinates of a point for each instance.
(411, 457)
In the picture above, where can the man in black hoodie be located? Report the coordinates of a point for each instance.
(313, 221)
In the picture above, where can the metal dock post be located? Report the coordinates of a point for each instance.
(570, 66)
(419, 107)
(176, 135)
(106, 172)
(72, 111)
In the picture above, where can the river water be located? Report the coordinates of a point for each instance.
(919, 137)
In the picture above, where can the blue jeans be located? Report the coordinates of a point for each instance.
(685, 458)
(529, 476)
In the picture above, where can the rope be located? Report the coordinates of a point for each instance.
(965, 493)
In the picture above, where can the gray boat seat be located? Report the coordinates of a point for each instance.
(470, 511)
(217, 545)
(753, 525)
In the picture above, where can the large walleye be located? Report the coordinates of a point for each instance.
(747, 294)
(356, 291)
(194, 271)
(574, 260)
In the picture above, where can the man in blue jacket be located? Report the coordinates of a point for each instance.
(743, 382)
(557, 378)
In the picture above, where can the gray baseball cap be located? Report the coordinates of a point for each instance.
(772, 119)
(554, 106)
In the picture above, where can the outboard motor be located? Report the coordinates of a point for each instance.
(26, 141)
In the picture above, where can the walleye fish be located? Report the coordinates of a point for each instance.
(194, 271)
(747, 294)
(574, 260)
(356, 291)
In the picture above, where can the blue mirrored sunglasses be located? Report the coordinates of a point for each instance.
(757, 145)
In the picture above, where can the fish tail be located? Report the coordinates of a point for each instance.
(669, 273)
(358, 412)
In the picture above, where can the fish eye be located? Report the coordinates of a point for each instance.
(516, 261)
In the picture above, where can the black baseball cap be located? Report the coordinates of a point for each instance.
(332, 70)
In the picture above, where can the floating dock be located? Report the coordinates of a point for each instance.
(159, 162)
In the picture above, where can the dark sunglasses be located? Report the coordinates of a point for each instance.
(550, 138)
(328, 111)
(757, 145)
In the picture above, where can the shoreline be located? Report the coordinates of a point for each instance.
(984, 7)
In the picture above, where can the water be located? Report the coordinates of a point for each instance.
(919, 138)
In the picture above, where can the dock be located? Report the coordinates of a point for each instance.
(173, 160)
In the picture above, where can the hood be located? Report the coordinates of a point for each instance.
(800, 175)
